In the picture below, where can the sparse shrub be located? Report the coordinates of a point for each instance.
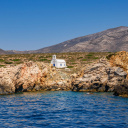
(8, 62)
(80, 57)
(84, 60)
(1, 60)
(72, 60)
(43, 60)
(89, 55)
(48, 61)
(70, 66)
(16, 60)
(96, 58)
(41, 57)
(109, 56)
(2, 66)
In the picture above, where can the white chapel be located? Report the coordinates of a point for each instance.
(58, 63)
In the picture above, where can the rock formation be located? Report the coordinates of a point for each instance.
(98, 77)
(121, 89)
(101, 76)
(120, 59)
(32, 76)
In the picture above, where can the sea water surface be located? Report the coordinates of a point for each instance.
(63, 109)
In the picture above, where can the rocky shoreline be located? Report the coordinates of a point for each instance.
(101, 76)
(32, 76)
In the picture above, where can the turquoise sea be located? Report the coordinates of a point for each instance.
(63, 109)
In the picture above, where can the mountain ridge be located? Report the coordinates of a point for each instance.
(83, 44)
(110, 40)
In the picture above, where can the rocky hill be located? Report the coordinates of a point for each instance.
(111, 40)
(2, 51)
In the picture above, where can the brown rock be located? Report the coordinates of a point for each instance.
(120, 59)
(32, 76)
(99, 76)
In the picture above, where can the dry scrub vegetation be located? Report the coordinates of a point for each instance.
(75, 61)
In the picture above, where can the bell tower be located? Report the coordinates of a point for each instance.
(54, 60)
(54, 57)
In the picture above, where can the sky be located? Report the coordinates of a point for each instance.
(34, 24)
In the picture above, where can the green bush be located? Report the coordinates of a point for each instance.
(8, 62)
(48, 61)
(70, 66)
(41, 57)
(72, 60)
(89, 55)
(16, 60)
(96, 58)
(109, 56)
(2, 65)
(79, 57)
(84, 60)
(43, 60)
(1, 60)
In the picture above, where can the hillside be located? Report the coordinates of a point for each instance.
(111, 40)
(2, 51)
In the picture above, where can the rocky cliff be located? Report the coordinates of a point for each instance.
(32, 76)
(120, 59)
(99, 77)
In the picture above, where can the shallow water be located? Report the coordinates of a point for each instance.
(63, 109)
